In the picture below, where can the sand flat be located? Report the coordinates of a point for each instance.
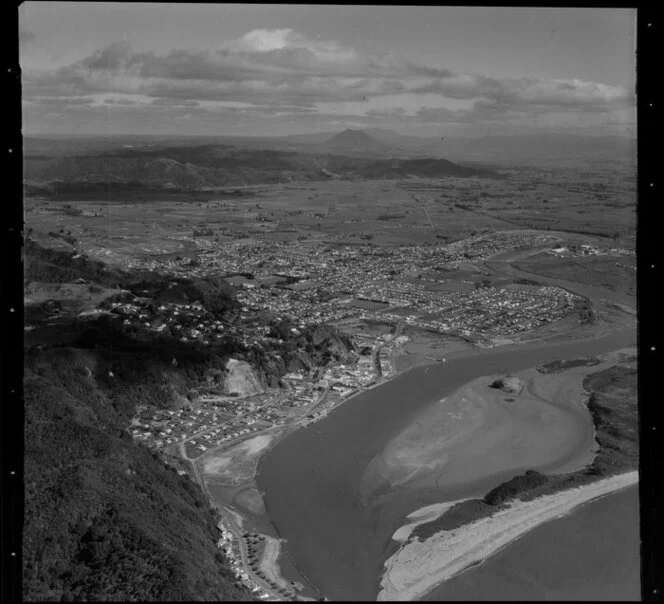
(312, 478)
(422, 516)
(480, 431)
(419, 566)
(236, 463)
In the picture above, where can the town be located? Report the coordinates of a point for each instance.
(441, 289)
(433, 287)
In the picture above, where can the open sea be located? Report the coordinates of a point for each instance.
(590, 554)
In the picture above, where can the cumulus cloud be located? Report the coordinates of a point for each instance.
(61, 101)
(121, 101)
(284, 71)
(531, 91)
(171, 102)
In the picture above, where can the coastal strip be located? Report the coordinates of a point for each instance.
(417, 567)
(422, 516)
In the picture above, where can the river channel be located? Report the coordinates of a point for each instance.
(311, 479)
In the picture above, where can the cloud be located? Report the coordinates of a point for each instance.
(532, 92)
(172, 102)
(287, 73)
(61, 101)
(390, 112)
(121, 101)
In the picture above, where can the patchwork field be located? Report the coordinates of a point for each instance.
(118, 225)
(617, 273)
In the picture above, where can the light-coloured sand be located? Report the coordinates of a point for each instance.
(236, 462)
(478, 432)
(422, 516)
(255, 445)
(270, 561)
(418, 567)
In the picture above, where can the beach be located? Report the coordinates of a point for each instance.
(592, 553)
(416, 568)
(312, 478)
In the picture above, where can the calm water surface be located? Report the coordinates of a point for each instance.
(311, 478)
(591, 554)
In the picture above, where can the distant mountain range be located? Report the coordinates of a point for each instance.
(372, 141)
(196, 163)
(490, 148)
(187, 167)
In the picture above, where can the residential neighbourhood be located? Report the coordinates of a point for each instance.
(428, 286)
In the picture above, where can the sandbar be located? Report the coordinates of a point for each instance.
(422, 516)
(417, 567)
(479, 432)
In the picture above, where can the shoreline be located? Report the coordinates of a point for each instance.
(418, 567)
(285, 431)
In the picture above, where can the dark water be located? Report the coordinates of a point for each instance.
(591, 554)
(311, 478)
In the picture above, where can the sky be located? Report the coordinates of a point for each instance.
(275, 70)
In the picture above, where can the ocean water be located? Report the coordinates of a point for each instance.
(590, 554)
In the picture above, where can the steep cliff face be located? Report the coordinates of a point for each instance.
(240, 379)
(106, 519)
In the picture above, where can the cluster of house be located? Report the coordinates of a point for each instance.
(303, 390)
(487, 310)
(185, 321)
(250, 574)
(189, 322)
(201, 429)
(482, 246)
(483, 312)
(294, 259)
(491, 311)
(574, 251)
(213, 421)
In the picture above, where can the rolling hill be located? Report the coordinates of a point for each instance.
(187, 167)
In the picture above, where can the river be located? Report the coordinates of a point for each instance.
(311, 478)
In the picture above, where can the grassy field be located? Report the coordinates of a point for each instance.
(617, 273)
(581, 199)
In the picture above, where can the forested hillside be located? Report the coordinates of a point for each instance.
(105, 519)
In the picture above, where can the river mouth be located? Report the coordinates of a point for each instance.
(472, 436)
(339, 525)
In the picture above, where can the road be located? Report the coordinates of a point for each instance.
(228, 519)
(237, 531)
(379, 347)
